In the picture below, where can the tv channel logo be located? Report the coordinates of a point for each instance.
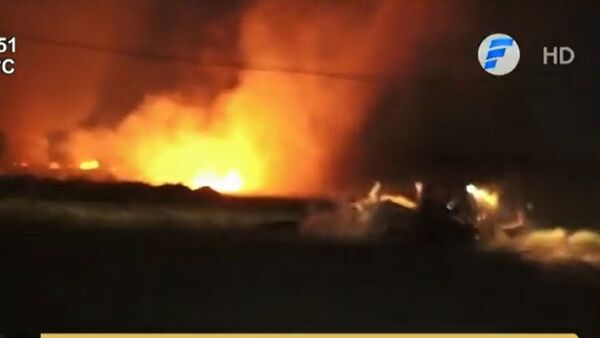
(498, 54)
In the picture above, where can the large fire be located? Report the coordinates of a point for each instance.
(165, 141)
(276, 132)
(298, 88)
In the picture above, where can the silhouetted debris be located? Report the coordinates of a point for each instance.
(31, 187)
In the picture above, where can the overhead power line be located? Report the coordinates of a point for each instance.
(348, 76)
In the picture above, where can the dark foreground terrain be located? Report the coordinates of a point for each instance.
(69, 265)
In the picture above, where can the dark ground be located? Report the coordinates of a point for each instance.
(89, 277)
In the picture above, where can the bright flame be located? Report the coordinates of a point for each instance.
(89, 165)
(230, 182)
(54, 166)
(485, 198)
(165, 142)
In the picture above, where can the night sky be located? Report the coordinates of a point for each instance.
(462, 115)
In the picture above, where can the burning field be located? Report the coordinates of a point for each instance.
(275, 126)
(206, 166)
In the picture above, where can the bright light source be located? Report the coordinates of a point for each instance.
(230, 182)
(89, 165)
(485, 198)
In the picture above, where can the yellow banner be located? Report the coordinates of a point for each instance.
(310, 335)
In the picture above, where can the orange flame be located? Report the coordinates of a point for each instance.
(164, 141)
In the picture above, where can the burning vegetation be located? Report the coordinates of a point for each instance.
(160, 160)
(306, 80)
(274, 111)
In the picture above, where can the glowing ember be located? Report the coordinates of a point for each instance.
(54, 166)
(230, 182)
(89, 165)
(485, 198)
